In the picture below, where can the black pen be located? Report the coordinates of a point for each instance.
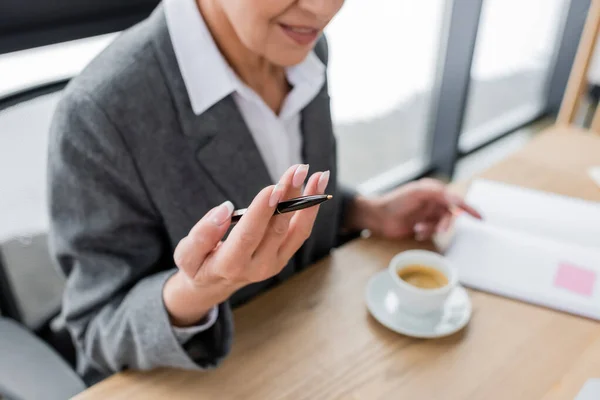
(286, 206)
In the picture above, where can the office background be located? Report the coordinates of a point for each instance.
(453, 79)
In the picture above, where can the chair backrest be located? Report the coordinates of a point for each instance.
(31, 287)
(33, 23)
(579, 73)
(29, 369)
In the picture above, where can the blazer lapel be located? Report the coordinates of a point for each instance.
(318, 140)
(223, 144)
(227, 151)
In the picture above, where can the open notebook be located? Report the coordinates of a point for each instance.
(533, 246)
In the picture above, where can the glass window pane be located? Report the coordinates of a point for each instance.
(24, 128)
(383, 61)
(23, 142)
(515, 47)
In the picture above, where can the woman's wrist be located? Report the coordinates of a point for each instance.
(187, 303)
(363, 213)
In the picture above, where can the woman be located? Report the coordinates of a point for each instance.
(200, 106)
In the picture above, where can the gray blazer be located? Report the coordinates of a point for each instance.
(131, 169)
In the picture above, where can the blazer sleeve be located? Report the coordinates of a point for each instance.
(107, 237)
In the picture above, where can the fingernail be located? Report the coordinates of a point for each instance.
(300, 175)
(323, 181)
(275, 195)
(222, 213)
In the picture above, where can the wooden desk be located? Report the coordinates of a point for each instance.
(312, 337)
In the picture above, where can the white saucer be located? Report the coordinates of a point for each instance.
(384, 305)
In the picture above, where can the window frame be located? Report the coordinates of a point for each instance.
(450, 92)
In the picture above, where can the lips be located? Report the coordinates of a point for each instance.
(302, 35)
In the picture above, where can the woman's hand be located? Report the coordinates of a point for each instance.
(419, 208)
(257, 248)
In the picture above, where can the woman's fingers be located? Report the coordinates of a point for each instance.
(252, 251)
(458, 201)
(323, 182)
(469, 209)
(248, 233)
(435, 190)
(193, 249)
(278, 227)
(298, 180)
(426, 227)
(303, 220)
(444, 223)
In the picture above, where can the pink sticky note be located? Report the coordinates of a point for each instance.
(576, 279)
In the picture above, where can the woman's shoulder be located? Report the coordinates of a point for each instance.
(113, 68)
(122, 71)
(119, 91)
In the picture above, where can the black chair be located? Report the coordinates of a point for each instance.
(36, 352)
(31, 23)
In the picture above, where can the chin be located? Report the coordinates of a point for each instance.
(288, 57)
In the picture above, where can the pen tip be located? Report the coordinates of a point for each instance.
(329, 197)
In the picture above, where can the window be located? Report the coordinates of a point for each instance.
(513, 58)
(383, 58)
(24, 128)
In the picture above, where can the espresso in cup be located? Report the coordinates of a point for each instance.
(422, 276)
(423, 280)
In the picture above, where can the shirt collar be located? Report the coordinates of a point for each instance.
(207, 76)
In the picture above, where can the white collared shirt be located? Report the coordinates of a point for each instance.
(208, 79)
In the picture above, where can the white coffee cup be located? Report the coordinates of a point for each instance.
(417, 300)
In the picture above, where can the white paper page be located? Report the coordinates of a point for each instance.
(521, 266)
(562, 218)
(590, 390)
